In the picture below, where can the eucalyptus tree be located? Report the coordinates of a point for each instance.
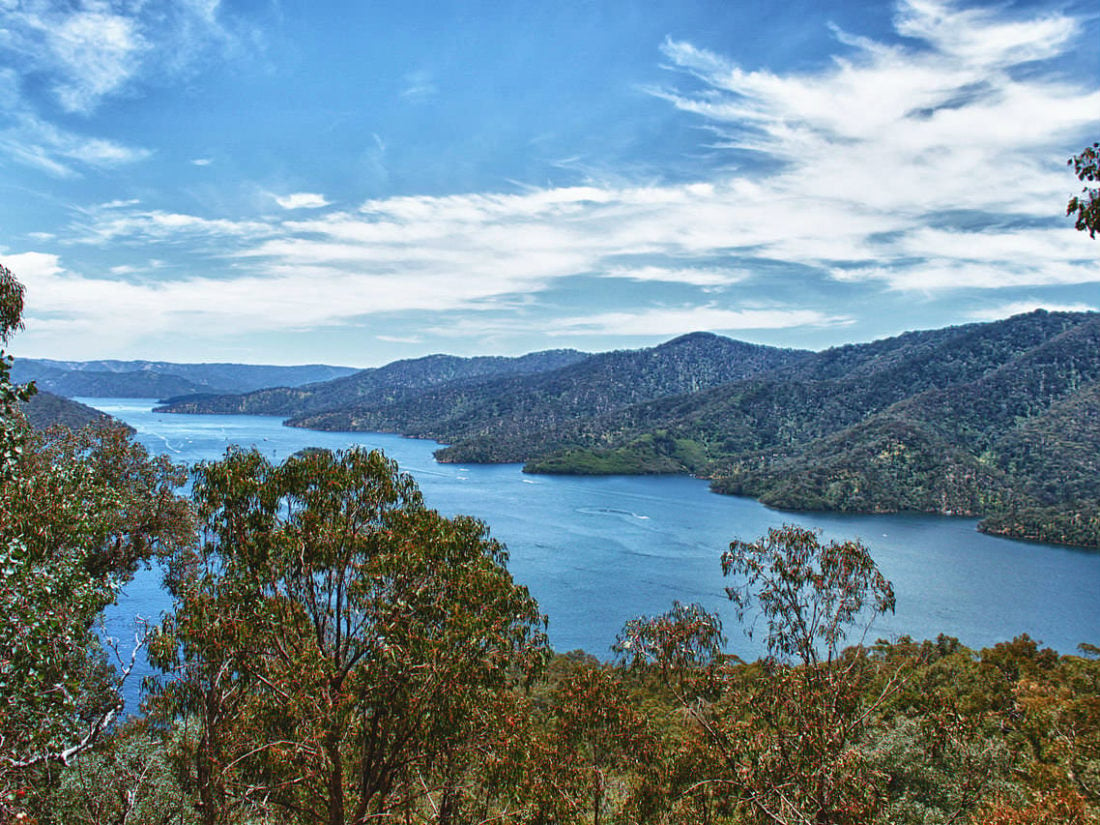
(1086, 206)
(780, 739)
(79, 512)
(335, 645)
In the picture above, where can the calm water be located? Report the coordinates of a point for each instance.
(596, 552)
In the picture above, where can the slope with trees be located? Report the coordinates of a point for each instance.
(44, 410)
(383, 385)
(512, 419)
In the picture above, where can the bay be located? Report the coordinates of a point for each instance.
(598, 551)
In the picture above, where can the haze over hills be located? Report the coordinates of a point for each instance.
(162, 379)
(389, 384)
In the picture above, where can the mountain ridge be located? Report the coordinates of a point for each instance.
(967, 419)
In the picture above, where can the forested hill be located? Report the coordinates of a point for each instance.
(993, 419)
(505, 419)
(47, 410)
(161, 379)
(379, 386)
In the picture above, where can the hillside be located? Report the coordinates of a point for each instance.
(993, 419)
(162, 379)
(390, 384)
(47, 410)
(512, 419)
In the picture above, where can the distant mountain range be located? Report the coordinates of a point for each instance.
(391, 384)
(161, 379)
(1000, 419)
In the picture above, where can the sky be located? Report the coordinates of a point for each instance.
(353, 182)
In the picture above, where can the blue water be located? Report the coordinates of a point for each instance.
(596, 552)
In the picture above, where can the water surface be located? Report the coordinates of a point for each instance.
(598, 551)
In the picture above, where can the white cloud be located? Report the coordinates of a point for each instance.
(680, 320)
(419, 86)
(113, 223)
(889, 138)
(201, 162)
(60, 152)
(301, 200)
(697, 276)
(89, 50)
(84, 52)
(875, 152)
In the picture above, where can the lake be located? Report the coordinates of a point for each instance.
(598, 551)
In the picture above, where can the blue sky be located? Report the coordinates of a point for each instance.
(355, 182)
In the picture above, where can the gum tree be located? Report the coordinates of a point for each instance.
(778, 739)
(797, 755)
(1086, 206)
(336, 645)
(78, 513)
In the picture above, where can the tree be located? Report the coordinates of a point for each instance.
(797, 755)
(780, 739)
(808, 593)
(334, 641)
(78, 513)
(11, 420)
(597, 752)
(1086, 205)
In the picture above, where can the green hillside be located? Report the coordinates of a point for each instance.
(1006, 429)
(991, 419)
(47, 410)
(512, 419)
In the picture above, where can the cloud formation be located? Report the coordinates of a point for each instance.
(301, 200)
(923, 166)
(83, 53)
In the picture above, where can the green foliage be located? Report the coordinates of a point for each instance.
(807, 592)
(1087, 205)
(11, 396)
(650, 455)
(11, 304)
(129, 777)
(338, 644)
(78, 513)
(598, 754)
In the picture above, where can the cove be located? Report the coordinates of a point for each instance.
(598, 551)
